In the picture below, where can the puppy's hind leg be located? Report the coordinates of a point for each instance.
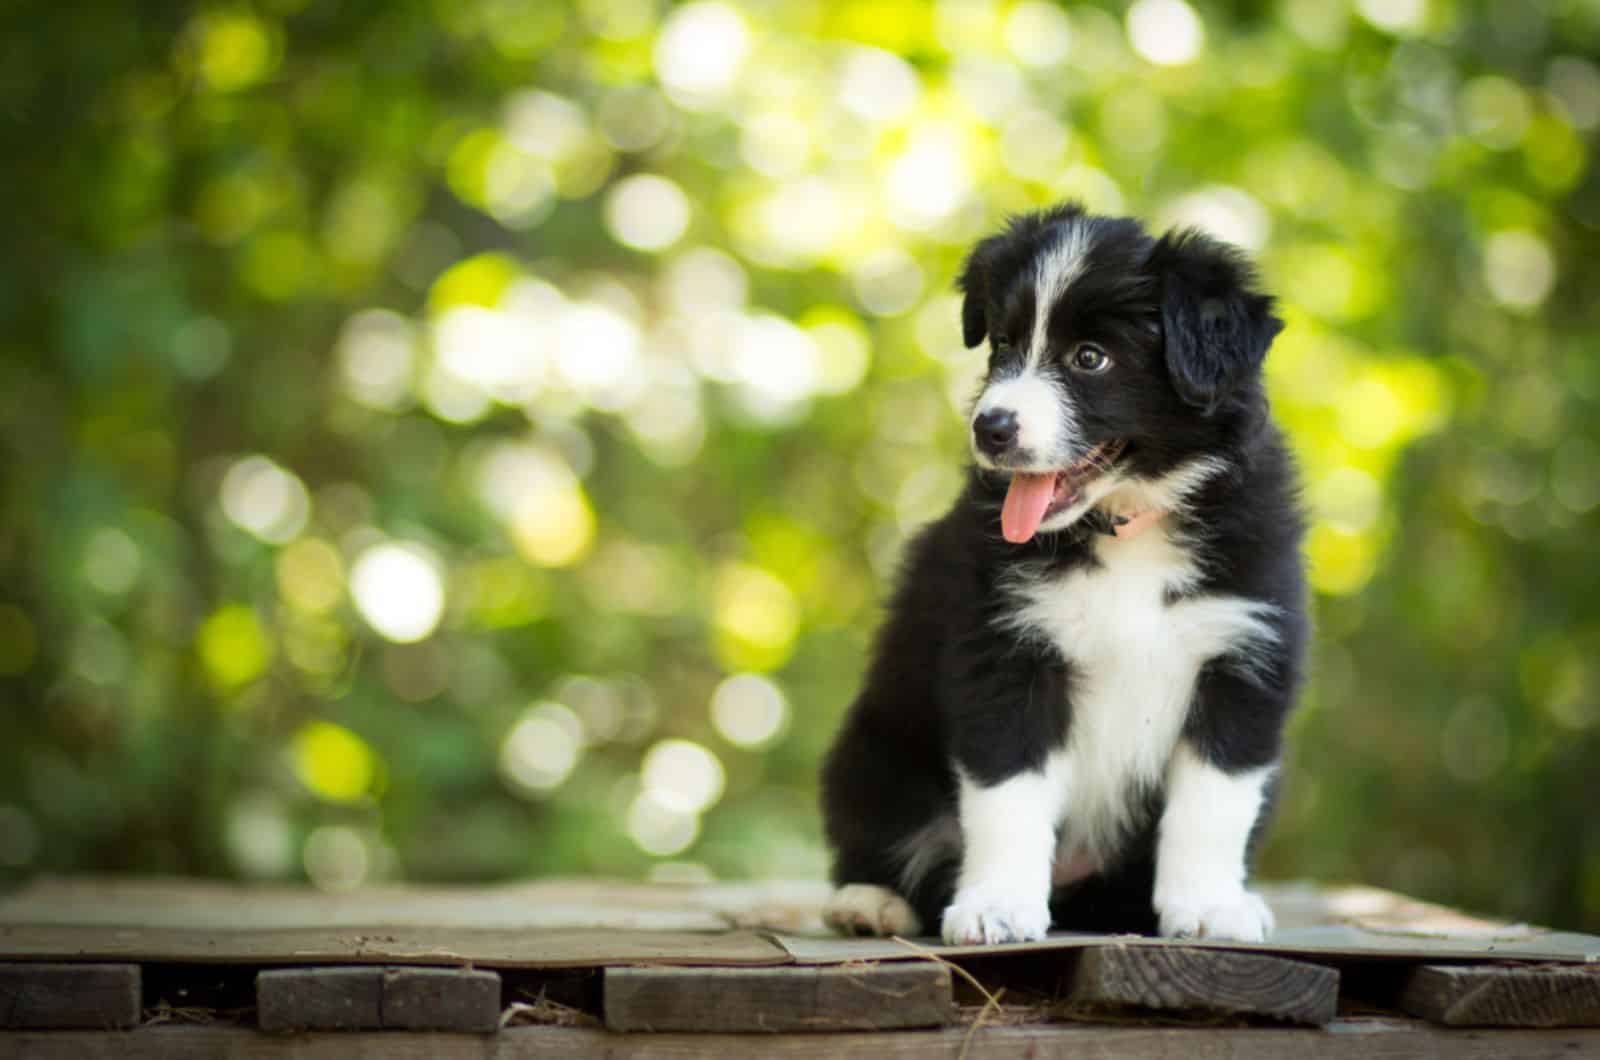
(894, 836)
(921, 865)
(868, 909)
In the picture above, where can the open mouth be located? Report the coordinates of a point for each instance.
(1035, 496)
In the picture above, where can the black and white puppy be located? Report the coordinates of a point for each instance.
(1075, 709)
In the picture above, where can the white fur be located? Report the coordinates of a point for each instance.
(1135, 659)
(1200, 855)
(1057, 268)
(1046, 426)
(866, 909)
(1003, 894)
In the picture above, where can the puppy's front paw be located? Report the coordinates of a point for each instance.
(991, 913)
(1234, 914)
(867, 909)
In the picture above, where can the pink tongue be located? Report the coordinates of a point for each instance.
(1025, 505)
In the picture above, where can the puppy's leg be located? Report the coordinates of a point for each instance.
(888, 808)
(1202, 849)
(1004, 708)
(867, 909)
(1008, 831)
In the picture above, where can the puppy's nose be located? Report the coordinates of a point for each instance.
(995, 430)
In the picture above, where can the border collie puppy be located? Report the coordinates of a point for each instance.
(1075, 709)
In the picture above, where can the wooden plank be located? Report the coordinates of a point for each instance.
(1344, 1039)
(531, 948)
(1504, 996)
(89, 996)
(578, 923)
(1208, 981)
(846, 997)
(1345, 941)
(441, 999)
(175, 902)
(324, 999)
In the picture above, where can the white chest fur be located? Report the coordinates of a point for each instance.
(1133, 657)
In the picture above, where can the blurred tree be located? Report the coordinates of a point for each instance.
(466, 440)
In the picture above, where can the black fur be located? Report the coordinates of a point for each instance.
(1189, 331)
(1217, 330)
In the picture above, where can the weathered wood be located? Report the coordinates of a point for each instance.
(1344, 1039)
(323, 999)
(845, 997)
(529, 948)
(586, 923)
(1210, 981)
(441, 999)
(369, 998)
(90, 996)
(1504, 996)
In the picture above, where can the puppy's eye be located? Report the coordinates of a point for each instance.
(1089, 359)
(1002, 343)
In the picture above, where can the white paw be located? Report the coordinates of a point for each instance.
(1234, 914)
(990, 913)
(867, 909)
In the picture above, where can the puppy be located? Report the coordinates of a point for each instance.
(1075, 709)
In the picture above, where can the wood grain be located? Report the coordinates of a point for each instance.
(69, 995)
(1204, 981)
(846, 997)
(1344, 1039)
(441, 999)
(324, 999)
(1504, 996)
(370, 998)
(531, 948)
(587, 922)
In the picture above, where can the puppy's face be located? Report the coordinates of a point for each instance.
(1114, 358)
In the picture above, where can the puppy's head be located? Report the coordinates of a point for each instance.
(1116, 359)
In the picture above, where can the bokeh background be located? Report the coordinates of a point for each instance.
(470, 439)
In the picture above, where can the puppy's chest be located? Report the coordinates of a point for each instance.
(1123, 624)
(1134, 645)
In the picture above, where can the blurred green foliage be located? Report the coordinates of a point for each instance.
(454, 440)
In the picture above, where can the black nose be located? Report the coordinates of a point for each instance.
(995, 431)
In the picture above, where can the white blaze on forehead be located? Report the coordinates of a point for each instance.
(1047, 424)
(1057, 268)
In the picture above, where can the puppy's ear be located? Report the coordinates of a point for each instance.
(1216, 324)
(974, 285)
